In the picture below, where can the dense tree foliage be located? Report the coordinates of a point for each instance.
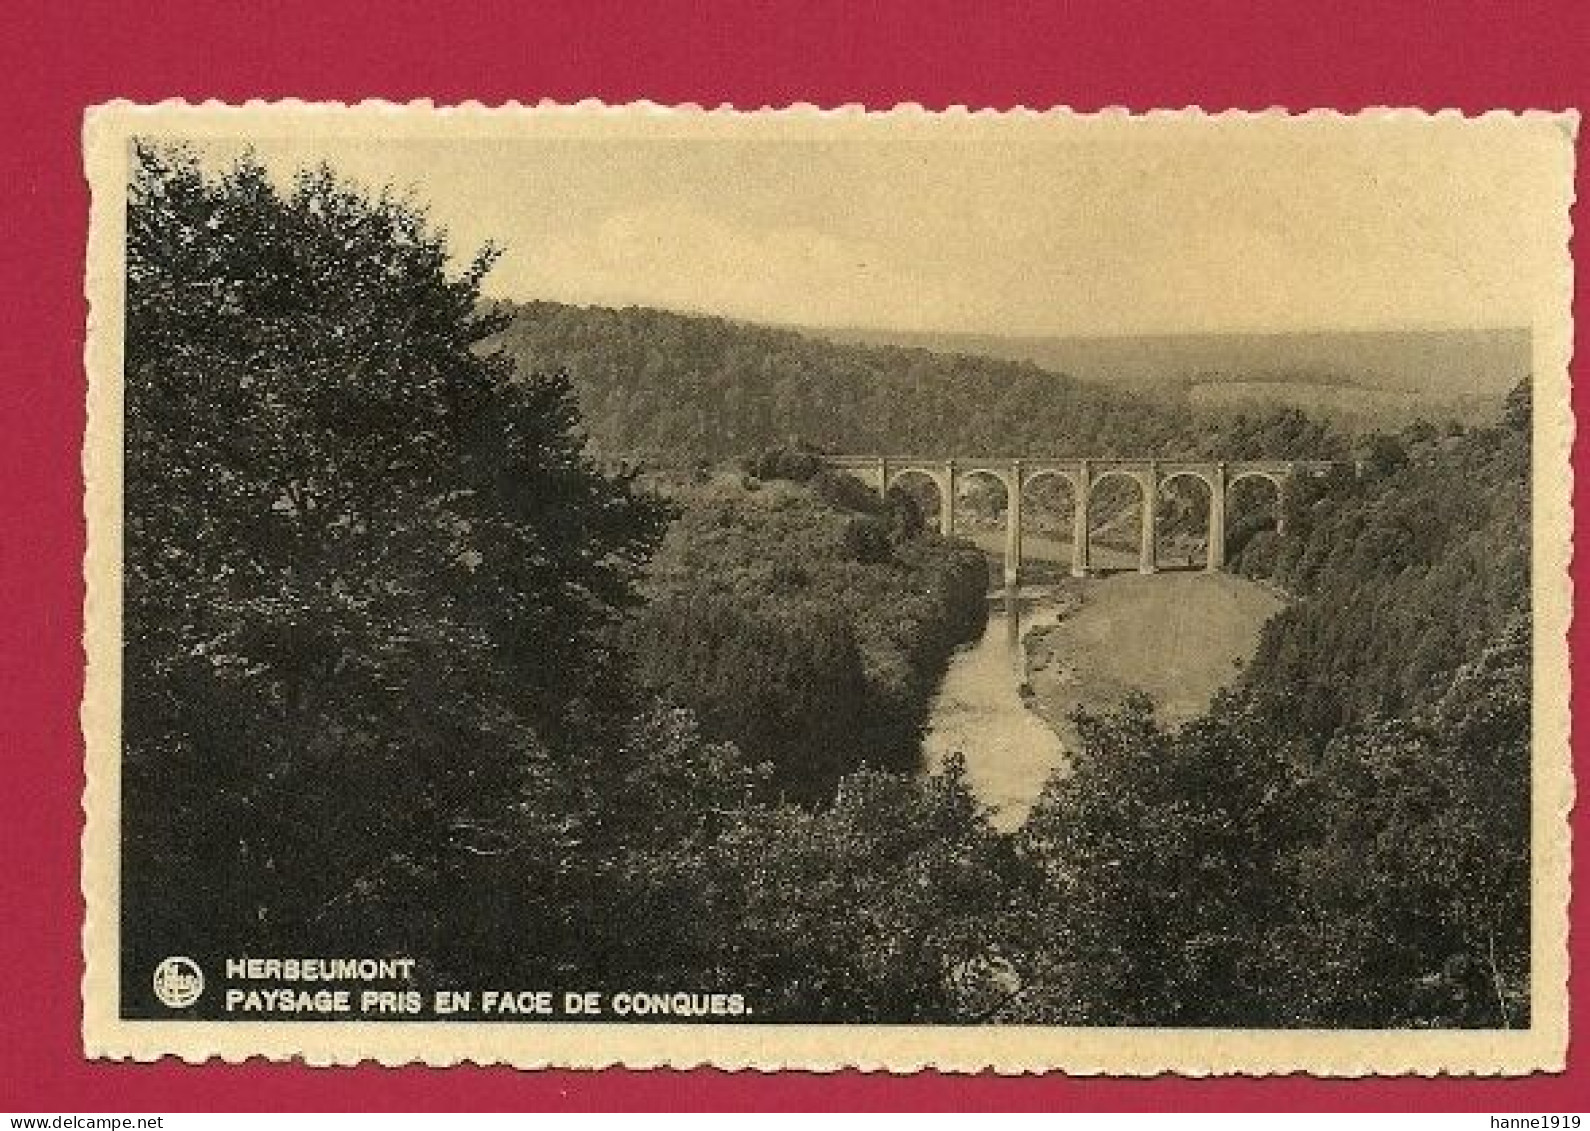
(894, 903)
(1344, 840)
(1407, 571)
(369, 575)
(1157, 872)
(804, 622)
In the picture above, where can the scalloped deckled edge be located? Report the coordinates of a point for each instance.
(1009, 1050)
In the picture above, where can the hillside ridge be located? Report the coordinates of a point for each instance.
(653, 382)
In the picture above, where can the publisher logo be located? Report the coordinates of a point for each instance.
(178, 982)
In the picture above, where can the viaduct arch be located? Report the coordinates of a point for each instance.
(1083, 476)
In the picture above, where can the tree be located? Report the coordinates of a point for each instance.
(1158, 852)
(1386, 454)
(1415, 848)
(369, 572)
(892, 904)
(1517, 412)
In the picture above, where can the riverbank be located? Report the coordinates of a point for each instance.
(1178, 637)
(1006, 701)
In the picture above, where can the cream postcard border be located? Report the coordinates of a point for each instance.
(894, 1048)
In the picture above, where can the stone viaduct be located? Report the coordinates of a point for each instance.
(1083, 475)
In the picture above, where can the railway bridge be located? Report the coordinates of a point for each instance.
(1083, 475)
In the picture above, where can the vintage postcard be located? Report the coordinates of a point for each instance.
(583, 586)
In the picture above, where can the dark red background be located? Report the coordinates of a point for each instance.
(60, 57)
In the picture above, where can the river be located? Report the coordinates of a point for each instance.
(1009, 750)
(1179, 637)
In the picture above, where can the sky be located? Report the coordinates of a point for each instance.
(1020, 228)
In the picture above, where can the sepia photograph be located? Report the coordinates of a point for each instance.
(626, 585)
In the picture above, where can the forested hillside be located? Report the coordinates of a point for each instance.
(804, 620)
(1360, 379)
(1341, 841)
(1407, 571)
(1344, 840)
(676, 386)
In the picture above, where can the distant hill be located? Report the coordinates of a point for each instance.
(654, 383)
(1362, 379)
